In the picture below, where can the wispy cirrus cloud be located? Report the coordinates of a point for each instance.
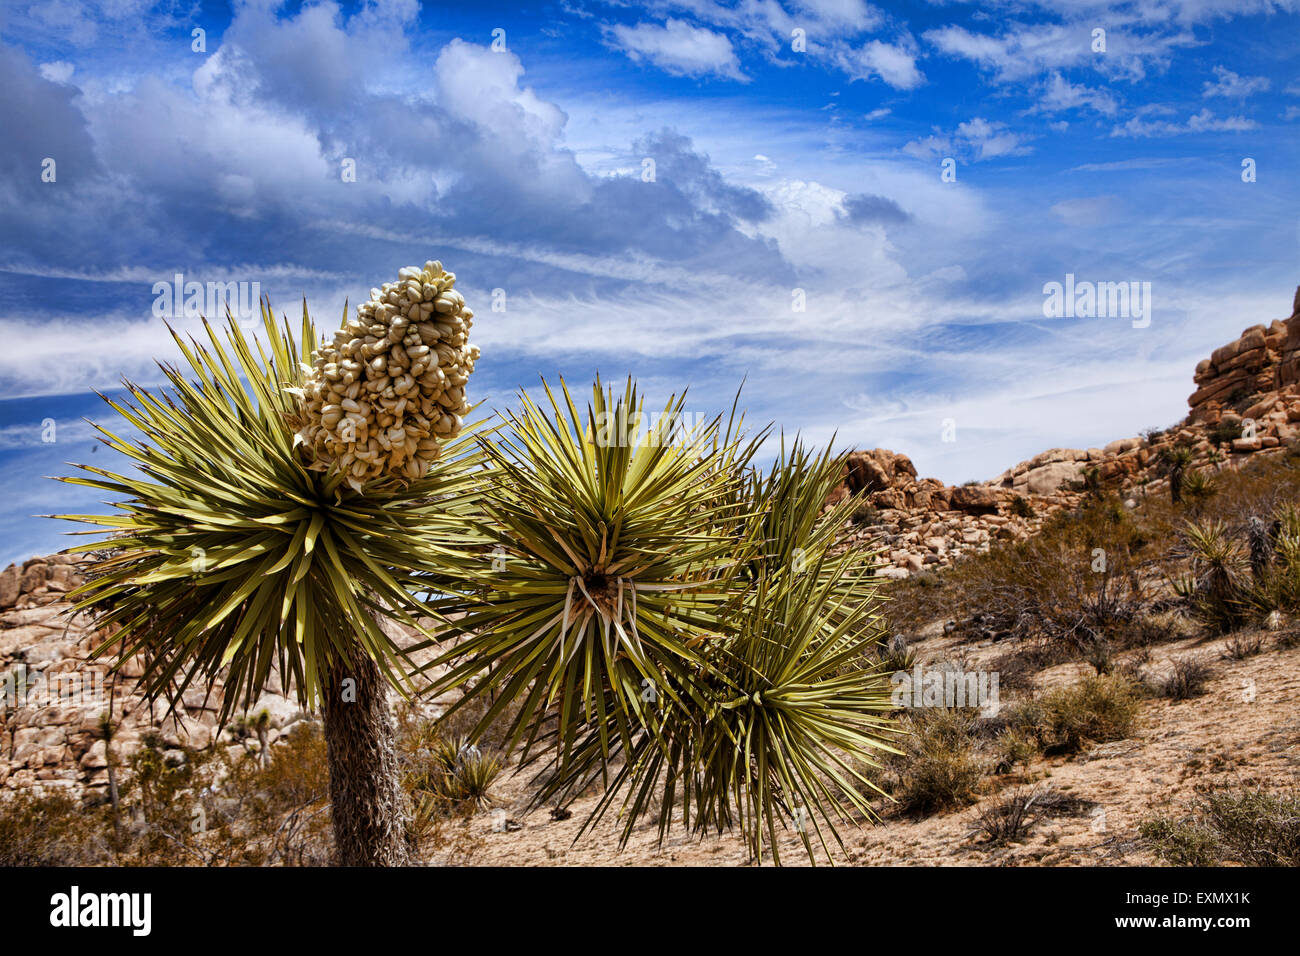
(1146, 125)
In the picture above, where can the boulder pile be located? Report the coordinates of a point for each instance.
(1247, 401)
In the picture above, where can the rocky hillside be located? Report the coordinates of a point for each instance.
(1247, 401)
(52, 698)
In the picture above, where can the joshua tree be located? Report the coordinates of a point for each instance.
(259, 724)
(1177, 459)
(106, 730)
(668, 621)
(258, 533)
(660, 617)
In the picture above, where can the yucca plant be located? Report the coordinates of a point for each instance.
(1198, 488)
(1218, 574)
(771, 733)
(674, 623)
(233, 558)
(466, 774)
(786, 528)
(606, 570)
(1275, 563)
(1176, 460)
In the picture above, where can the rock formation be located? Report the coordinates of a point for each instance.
(1247, 401)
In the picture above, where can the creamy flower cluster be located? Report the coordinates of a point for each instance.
(389, 391)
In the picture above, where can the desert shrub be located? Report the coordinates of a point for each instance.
(1289, 639)
(213, 808)
(1095, 710)
(1008, 819)
(1243, 646)
(1131, 668)
(1016, 669)
(1250, 827)
(1186, 680)
(1180, 842)
(940, 767)
(1223, 432)
(1089, 482)
(1014, 746)
(865, 515)
(45, 830)
(1021, 508)
(1100, 655)
(1046, 588)
(186, 808)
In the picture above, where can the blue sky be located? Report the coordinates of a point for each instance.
(796, 150)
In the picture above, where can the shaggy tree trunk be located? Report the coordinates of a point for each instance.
(370, 810)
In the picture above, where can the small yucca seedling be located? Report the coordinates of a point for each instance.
(471, 780)
(1198, 488)
(894, 655)
(426, 816)
(458, 773)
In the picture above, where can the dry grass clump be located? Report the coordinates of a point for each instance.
(1015, 746)
(1243, 646)
(1010, 818)
(1065, 720)
(941, 766)
(1250, 827)
(1186, 680)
